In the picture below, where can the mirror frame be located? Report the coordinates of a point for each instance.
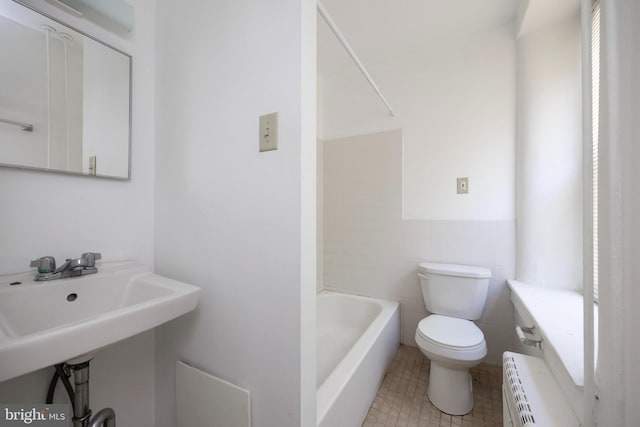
(119, 178)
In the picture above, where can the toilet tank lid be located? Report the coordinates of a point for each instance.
(455, 270)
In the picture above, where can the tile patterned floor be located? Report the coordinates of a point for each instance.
(402, 398)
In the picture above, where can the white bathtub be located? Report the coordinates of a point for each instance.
(356, 339)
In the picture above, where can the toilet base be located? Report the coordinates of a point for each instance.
(450, 390)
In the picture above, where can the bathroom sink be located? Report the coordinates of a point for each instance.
(44, 323)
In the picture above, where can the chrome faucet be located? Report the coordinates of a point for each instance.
(47, 270)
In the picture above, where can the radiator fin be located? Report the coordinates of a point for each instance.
(531, 395)
(521, 405)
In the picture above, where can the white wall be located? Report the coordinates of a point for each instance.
(82, 214)
(550, 156)
(22, 101)
(121, 377)
(58, 114)
(24, 68)
(455, 102)
(371, 250)
(618, 372)
(236, 222)
(106, 110)
(63, 216)
(320, 217)
(390, 201)
(320, 184)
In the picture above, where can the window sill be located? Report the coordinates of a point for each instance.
(558, 317)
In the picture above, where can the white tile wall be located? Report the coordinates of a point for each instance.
(370, 250)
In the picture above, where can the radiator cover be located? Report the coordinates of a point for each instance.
(531, 396)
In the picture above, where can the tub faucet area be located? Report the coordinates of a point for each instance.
(72, 267)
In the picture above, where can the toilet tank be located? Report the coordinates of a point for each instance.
(454, 290)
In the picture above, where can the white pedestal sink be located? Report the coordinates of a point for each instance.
(44, 323)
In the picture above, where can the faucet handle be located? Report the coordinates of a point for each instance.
(89, 258)
(45, 264)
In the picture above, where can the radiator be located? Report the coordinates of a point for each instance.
(531, 396)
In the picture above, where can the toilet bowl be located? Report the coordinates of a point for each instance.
(456, 294)
(453, 346)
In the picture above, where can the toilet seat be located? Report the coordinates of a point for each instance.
(450, 333)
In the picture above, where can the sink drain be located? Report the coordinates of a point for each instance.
(72, 297)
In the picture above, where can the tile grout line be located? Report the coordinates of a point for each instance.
(401, 400)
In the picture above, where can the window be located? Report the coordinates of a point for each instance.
(595, 102)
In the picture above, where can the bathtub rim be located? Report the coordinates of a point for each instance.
(330, 390)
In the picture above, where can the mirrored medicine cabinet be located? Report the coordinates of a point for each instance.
(65, 98)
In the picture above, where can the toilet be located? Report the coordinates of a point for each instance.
(455, 295)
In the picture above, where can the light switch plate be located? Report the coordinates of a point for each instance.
(269, 132)
(463, 185)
